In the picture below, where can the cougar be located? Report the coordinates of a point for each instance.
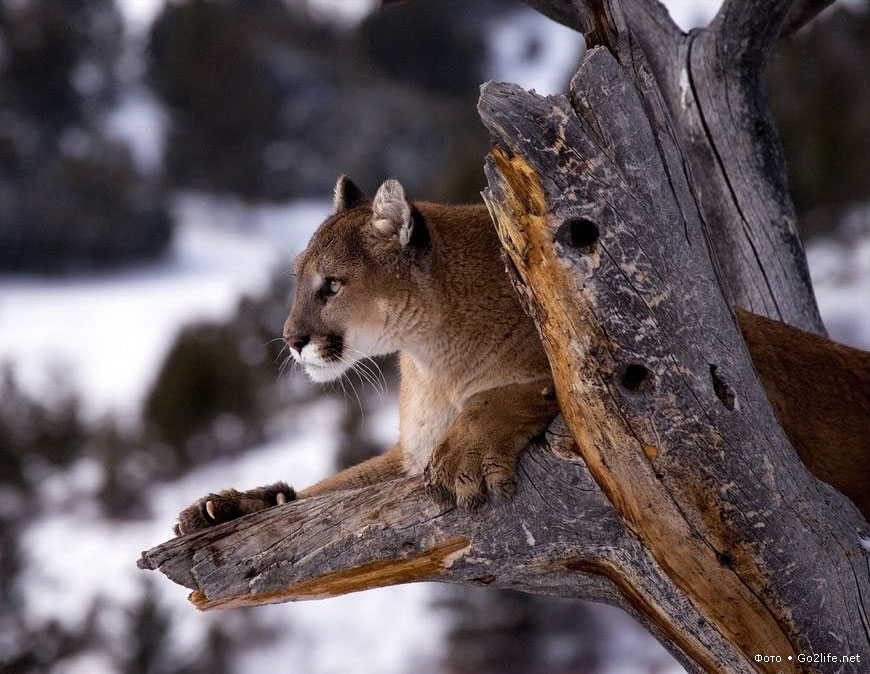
(426, 280)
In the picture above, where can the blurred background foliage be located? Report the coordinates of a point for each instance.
(70, 195)
(267, 101)
(819, 86)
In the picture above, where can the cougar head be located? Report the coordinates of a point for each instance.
(357, 281)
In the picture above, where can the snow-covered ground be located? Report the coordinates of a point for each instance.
(105, 335)
(840, 269)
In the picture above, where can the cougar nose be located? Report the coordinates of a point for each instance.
(298, 342)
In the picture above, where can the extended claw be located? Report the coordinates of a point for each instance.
(209, 508)
(281, 498)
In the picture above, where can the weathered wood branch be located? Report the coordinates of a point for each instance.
(376, 536)
(733, 147)
(642, 15)
(748, 36)
(559, 536)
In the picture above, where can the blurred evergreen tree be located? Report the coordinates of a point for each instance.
(219, 384)
(495, 631)
(437, 45)
(240, 80)
(149, 646)
(203, 378)
(70, 198)
(819, 84)
(268, 103)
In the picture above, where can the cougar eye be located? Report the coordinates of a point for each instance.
(332, 286)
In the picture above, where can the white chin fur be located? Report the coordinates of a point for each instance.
(321, 373)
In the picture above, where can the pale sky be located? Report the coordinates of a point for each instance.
(686, 13)
(139, 13)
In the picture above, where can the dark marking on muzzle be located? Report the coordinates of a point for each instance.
(333, 345)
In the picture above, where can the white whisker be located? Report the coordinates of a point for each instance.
(349, 364)
(369, 375)
(365, 374)
(375, 366)
(343, 391)
(283, 368)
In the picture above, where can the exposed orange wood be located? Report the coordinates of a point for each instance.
(618, 460)
(374, 574)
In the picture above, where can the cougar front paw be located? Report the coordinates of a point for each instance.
(469, 475)
(229, 505)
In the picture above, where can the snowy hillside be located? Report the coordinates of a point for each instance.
(106, 335)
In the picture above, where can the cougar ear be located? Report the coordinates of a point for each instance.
(346, 195)
(391, 211)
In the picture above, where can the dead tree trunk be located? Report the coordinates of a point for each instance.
(669, 489)
(712, 82)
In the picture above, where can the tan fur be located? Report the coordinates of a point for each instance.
(427, 280)
(473, 372)
(820, 391)
(386, 466)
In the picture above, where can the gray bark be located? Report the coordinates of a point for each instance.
(652, 375)
(712, 82)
